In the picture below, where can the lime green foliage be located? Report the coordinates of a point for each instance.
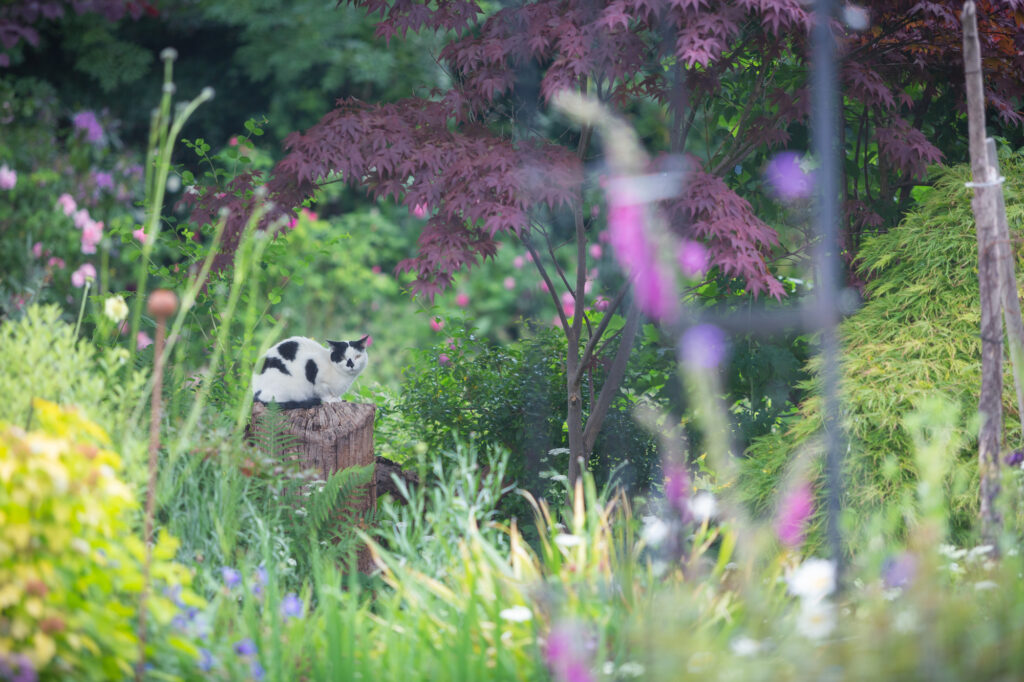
(40, 357)
(915, 337)
(70, 564)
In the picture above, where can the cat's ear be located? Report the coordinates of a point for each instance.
(362, 343)
(338, 349)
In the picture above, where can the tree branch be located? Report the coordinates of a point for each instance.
(588, 352)
(612, 381)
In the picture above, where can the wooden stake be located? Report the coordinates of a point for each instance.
(985, 186)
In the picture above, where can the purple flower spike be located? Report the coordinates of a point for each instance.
(795, 510)
(565, 654)
(703, 346)
(206, 660)
(230, 576)
(1015, 458)
(786, 177)
(291, 606)
(677, 489)
(245, 647)
(693, 258)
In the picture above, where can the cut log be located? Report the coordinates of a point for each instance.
(329, 438)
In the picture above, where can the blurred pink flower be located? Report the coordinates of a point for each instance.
(603, 236)
(92, 233)
(233, 141)
(8, 177)
(570, 308)
(292, 222)
(556, 321)
(794, 511)
(588, 285)
(442, 359)
(67, 204)
(565, 654)
(543, 286)
(693, 258)
(103, 180)
(436, 324)
(55, 262)
(461, 300)
(37, 249)
(451, 342)
(510, 283)
(787, 178)
(703, 346)
(85, 272)
(142, 340)
(19, 301)
(677, 488)
(654, 289)
(595, 210)
(87, 122)
(140, 234)
(601, 303)
(596, 251)
(82, 218)
(311, 215)
(375, 269)
(518, 262)
(567, 298)
(420, 211)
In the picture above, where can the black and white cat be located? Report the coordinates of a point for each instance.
(299, 372)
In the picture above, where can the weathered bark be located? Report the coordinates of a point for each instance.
(1008, 285)
(330, 438)
(984, 205)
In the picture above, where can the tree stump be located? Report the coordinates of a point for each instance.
(329, 438)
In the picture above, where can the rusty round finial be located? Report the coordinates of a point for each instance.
(162, 303)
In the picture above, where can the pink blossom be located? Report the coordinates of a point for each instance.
(518, 262)
(142, 340)
(87, 122)
(601, 303)
(140, 234)
(451, 343)
(292, 222)
(81, 218)
(529, 257)
(595, 211)
(567, 298)
(654, 289)
(556, 321)
(55, 262)
(436, 324)
(103, 180)
(442, 359)
(787, 178)
(588, 285)
(570, 308)
(8, 177)
(596, 251)
(603, 237)
(565, 654)
(543, 286)
(233, 141)
(375, 269)
(794, 511)
(693, 258)
(19, 301)
(92, 233)
(37, 249)
(67, 203)
(420, 211)
(311, 215)
(85, 272)
(461, 300)
(510, 283)
(677, 488)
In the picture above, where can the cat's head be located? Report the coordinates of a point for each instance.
(350, 356)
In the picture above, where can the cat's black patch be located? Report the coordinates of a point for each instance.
(275, 363)
(338, 349)
(360, 344)
(311, 370)
(256, 397)
(288, 349)
(299, 404)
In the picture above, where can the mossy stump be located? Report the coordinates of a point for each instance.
(329, 438)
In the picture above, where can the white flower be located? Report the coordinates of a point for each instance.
(115, 308)
(631, 669)
(516, 614)
(979, 552)
(982, 585)
(745, 646)
(817, 619)
(703, 506)
(655, 531)
(905, 622)
(951, 552)
(813, 579)
(567, 540)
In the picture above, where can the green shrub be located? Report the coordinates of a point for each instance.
(70, 563)
(916, 336)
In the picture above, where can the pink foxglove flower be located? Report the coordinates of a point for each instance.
(86, 272)
(565, 654)
(677, 489)
(8, 177)
(787, 178)
(92, 233)
(693, 258)
(794, 511)
(142, 340)
(654, 289)
(67, 204)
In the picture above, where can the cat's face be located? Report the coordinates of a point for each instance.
(349, 356)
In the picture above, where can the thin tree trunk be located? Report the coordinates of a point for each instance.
(984, 205)
(1008, 285)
